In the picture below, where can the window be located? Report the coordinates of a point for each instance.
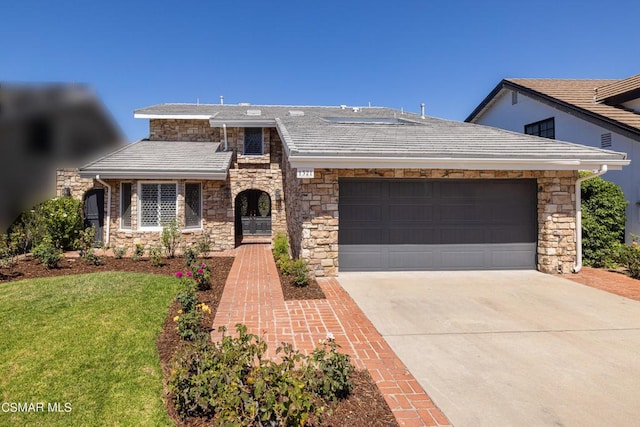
(192, 205)
(253, 141)
(157, 204)
(125, 206)
(543, 128)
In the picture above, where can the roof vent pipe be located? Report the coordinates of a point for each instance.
(578, 266)
(221, 100)
(224, 129)
(422, 109)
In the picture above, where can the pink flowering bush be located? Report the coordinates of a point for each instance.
(201, 273)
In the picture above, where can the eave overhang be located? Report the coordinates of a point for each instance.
(350, 162)
(242, 123)
(152, 174)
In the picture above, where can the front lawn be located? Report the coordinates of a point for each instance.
(82, 349)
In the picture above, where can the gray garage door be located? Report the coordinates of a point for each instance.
(448, 224)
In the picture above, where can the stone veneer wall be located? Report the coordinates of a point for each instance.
(313, 212)
(247, 172)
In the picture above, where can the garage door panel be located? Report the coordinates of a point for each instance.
(403, 213)
(412, 235)
(437, 224)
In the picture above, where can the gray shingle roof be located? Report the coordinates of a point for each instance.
(333, 137)
(163, 159)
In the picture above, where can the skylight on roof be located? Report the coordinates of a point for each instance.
(296, 113)
(366, 120)
(254, 112)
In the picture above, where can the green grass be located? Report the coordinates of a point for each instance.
(88, 341)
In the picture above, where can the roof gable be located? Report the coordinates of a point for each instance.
(573, 96)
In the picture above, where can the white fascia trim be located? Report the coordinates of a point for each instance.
(129, 175)
(242, 123)
(450, 163)
(172, 116)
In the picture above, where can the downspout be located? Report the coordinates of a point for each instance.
(108, 208)
(578, 266)
(224, 129)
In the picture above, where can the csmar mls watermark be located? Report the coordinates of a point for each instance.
(27, 407)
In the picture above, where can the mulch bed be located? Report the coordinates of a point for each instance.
(293, 292)
(364, 407)
(614, 281)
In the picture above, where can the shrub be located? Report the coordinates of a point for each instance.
(187, 296)
(91, 258)
(189, 325)
(28, 230)
(9, 249)
(171, 237)
(299, 272)
(138, 251)
(232, 383)
(286, 264)
(629, 257)
(603, 220)
(331, 378)
(86, 239)
(60, 219)
(202, 276)
(189, 318)
(119, 252)
(155, 256)
(190, 255)
(204, 244)
(47, 253)
(280, 245)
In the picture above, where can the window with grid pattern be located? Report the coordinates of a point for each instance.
(544, 128)
(157, 204)
(253, 141)
(192, 205)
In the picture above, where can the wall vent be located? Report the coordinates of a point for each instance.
(514, 97)
(605, 140)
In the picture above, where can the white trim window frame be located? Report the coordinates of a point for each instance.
(123, 212)
(251, 152)
(188, 226)
(146, 200)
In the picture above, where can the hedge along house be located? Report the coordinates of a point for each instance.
(354, 188)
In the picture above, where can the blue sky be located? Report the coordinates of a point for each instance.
(448, 54)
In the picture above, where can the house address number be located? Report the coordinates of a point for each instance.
(305, 173)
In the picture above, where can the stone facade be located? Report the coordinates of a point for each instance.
(262, 172)
(311, 216)
(314, 221)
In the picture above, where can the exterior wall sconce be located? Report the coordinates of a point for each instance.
(66, 192)
(278, 195)
(227, 192)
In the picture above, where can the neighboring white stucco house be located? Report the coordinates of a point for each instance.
(597, 113)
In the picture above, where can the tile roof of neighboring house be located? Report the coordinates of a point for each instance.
(619, 91)
(162, 159)
(575, 96)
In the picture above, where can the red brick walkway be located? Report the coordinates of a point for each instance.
(610, 281)
(253, 296)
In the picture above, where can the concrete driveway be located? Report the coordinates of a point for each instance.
(510, 348)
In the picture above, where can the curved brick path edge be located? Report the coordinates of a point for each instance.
(253, 296)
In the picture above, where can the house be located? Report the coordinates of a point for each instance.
(596, 113)
(354, 188)
(44, 127)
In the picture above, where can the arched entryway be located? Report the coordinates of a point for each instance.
(93, 210)
(253, 213)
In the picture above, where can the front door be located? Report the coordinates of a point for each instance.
(94, 212)
(253, 213)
